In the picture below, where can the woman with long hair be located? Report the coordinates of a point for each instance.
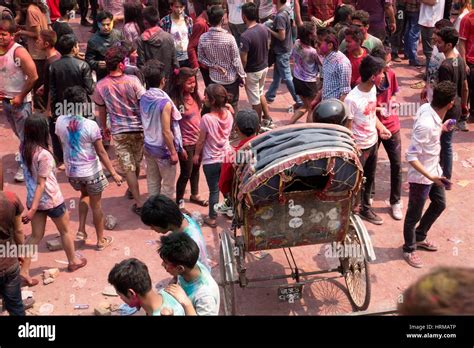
(185, 95)
(133, 27)
(213, 142)
(44, 198)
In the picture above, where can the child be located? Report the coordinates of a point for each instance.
(196, 290)
(306, 68)
(61, 25)
(162, 134)
(133, 19)
(132, 281)
(185, 95)
(247, 126)
(388, 115)
(213, 143)
(44, 196)
(180, 26)
(163, 215)
(82, 145)
(355, 52)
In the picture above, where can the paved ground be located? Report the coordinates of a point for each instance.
(390, 275)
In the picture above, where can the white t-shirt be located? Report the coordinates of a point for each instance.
(429, 15)
(78, 135)
(181, 39)
(235, 11)
(361, 109)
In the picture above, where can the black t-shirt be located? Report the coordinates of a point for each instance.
(61, 28)
(10, 209)
(453, 70)
(254, 41)
(282, 21)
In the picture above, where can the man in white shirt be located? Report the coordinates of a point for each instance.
(431, 11)
(425, 173)
(361, 105)
(236, 23)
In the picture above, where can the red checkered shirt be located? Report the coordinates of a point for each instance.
(218, 48)
(323, 9)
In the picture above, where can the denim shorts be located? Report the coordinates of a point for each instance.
(56, 212)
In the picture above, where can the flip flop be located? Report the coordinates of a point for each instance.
(105, 244)
(25, 282)
(72, 268)
(81, 236)
(208, 223)
(201, 202)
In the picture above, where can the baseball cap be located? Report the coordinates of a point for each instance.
(247, 121)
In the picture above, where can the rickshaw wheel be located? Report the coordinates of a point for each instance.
(355, 270)
(227, 285)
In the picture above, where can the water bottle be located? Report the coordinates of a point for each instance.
(197, 217)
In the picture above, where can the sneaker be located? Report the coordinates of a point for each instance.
(397, 211)
(412, 259)
(462, 126)
(224, 208)
(427, 245)
(371, 217)
(19, 177)
(268, 123)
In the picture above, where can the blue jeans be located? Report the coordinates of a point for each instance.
(17, 116)
(446, 154)
(212, 173)
(282, 71)
(10, 288)
(412, 33)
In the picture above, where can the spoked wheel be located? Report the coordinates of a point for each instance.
(355, 270)
(226, 267)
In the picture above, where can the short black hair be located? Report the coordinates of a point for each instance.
(172, 2)
(102, 15)
(130, 274)
(250, 11)
(361, 15)
(75, 94)
(449, 35)
(356, 33)
(443, 23)
(369, 67)
(66, 6)
(213, 3)
(443, 94)
(215, 15)
(179, 249)
(8, 25)
(380, 52)
(153, 71)
(66, 43)
(329, 36)
(113, 57)
(161, 211)
(305, 32)
(151, 15)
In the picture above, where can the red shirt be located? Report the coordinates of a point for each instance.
(227, 170)
(323, 9)
(355, 63)
(200, 27)
(392, 122)
(54, 13)
(466, 32)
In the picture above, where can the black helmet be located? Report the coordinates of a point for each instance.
(330, 111)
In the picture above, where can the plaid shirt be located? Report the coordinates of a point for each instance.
(411, 5)
(322, 9)
(218, 48)
(337, 71)
(166, 23)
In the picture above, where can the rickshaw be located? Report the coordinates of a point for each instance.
(296, 186)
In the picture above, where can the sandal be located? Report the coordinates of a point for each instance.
(72, 268)
(418, 85)
(136, 209)
(81, 236)
(201, 202)
(208, 222)
(24, 282)
(105, 243)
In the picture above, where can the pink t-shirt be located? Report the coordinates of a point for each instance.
(191, 119)
(217, 137)
(43, 165)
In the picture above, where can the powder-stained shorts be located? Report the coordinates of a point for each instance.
(255, 82)
(93, 185)
(129, 150)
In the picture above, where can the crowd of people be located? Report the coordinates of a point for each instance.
(136, 88)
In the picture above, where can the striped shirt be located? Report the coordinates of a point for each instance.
(121, 95)
(218, 48)
(337, 71)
